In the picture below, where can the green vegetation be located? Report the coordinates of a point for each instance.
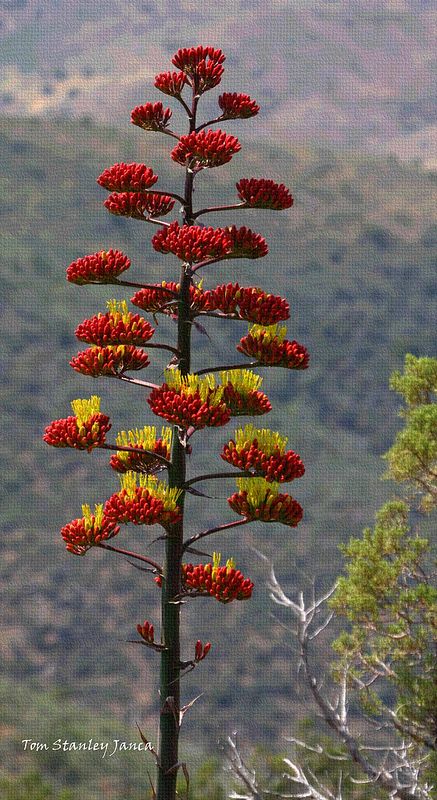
(362, 234)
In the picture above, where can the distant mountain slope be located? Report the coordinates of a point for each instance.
(356, 258)
(346, 74)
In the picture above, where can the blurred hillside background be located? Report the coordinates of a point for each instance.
(348, 123)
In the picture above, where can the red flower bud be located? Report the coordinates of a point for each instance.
(188, 409)
(139, 205)
(262, 193)
(127, 178)
(192, 243)
(237, 106)
(224, 583)
(200, 650)
(269, 347)
(151, 116)
(246, 243)
(157, 299)
(102, 267)
(202, 64)
(171, 83)
(147, 632)
(110, 361)
(205, 149)
(118, 326)
(88, 531)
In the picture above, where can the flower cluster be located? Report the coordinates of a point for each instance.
(262, 193)
(157, 299)
(143, 500)
(171, 83)
(270, 347)
(147, 632)
(192, 243)
(201, 650)
(83, 431)
(139, 205)
(112, 360)
(147, 440)
(263, 451)
(249, 303)
(258, 500)
(127, 178)
(202, 64)
(205, 149)
(88, 531)
(102, 267)
(246, 243)
(162, 298)
(117, 326)
(237, 106)
(190, 401)
(241, 393)
(151, 116)
(224, 583)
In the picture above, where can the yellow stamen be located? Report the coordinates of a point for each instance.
(84, 409)
(243, 380)
(118, 311)
(131, 480)
(88, 516)
(257, 489)
(269, 332)
(268, 441)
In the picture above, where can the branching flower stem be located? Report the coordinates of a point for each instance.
(228, 367)
(128, 553)
(215, 475)
(212, 209)
(169, 721)
(237, 524)
(140, 450)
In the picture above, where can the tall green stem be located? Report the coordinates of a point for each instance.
(171, 584)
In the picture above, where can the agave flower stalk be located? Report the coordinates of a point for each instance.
(191, 397)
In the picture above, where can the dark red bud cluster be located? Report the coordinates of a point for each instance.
(274, 352)
(187, 409)
(249, 404)
(192, 243)
(147, 632)
(141, 509)
(80, 534)
(102, 267)
(201, 650)
(111, 360)
(249, 303)
(103, 330)
(84, 435)
(205, 149)
(171, 83)
(262, 193)
(139, 205)
(276, 467)
(151, 116)
(154, 299)
(246, 243)
(141, 462)
(237, 106)
(127, 178)
(224, 583)
(188, 59)
(202, 64)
